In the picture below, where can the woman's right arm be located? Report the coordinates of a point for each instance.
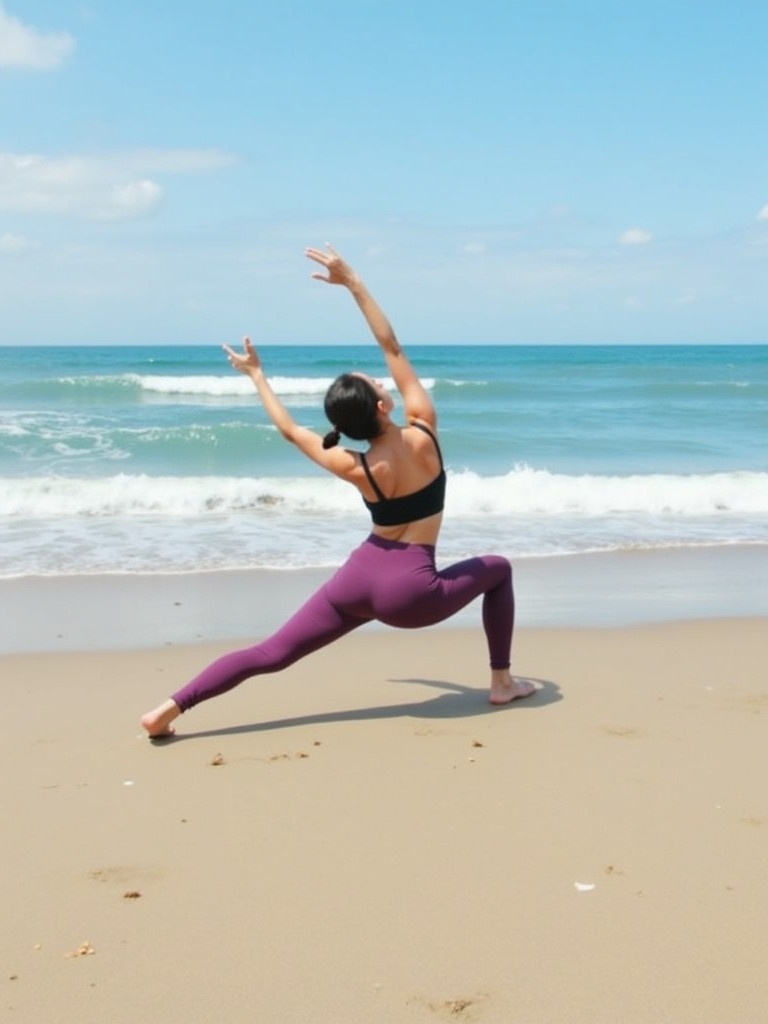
(418, 404)
(338, 461)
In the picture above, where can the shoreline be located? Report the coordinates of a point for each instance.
(74, 613)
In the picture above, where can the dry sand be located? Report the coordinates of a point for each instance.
(362, 840)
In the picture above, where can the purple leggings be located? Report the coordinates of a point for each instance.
(393, 582)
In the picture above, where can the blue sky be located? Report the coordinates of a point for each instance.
(532, 171)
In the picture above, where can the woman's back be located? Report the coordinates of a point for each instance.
(404, 485)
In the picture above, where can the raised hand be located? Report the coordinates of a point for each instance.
(339, 272)
(246, 361)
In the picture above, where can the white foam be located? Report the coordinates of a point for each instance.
(528, 490)
(138, 523)
(237, 385)
(522, 491)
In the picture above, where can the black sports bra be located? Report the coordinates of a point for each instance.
(409, 507)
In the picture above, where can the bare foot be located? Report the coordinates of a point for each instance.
(505, 690)
(158, 722)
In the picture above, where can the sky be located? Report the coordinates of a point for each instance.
(500, 171)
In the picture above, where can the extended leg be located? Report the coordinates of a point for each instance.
(315, 625)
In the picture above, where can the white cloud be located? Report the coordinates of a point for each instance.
(165, 161)
(136, 197)
(10, 244)
(763, 215)
(474, 248)
(111, 186)
(635, 236)
(22, 46)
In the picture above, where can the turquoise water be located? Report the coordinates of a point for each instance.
(160, 459)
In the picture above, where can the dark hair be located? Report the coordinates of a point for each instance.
(352, 406)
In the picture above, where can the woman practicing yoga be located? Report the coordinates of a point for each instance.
(391, 576)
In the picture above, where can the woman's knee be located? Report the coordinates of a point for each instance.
(501, 565)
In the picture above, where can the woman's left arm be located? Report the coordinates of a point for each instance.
(336, 460)
(416, 401)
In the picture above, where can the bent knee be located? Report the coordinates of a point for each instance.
(502, 565)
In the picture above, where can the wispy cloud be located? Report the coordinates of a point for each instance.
(24, 47)
(635, 236)
(763, 215)
(11, 244)
(113, 186)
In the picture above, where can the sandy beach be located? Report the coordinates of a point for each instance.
(362, 839)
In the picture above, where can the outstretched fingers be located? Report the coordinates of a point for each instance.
(245, 360)
(330, 260)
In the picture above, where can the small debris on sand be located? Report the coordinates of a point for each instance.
(84, 949)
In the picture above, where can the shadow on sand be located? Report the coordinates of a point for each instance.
(454, 701)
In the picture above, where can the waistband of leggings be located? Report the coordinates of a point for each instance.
(397, 545)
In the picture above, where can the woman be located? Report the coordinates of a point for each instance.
(391, 577)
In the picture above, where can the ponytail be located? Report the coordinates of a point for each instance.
(332, 438)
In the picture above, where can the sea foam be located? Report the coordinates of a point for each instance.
(522, 491)
(234, 385)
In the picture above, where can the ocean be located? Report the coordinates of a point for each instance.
(159, 459)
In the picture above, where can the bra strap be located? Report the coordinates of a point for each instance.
(374, 486)
(423, 427)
